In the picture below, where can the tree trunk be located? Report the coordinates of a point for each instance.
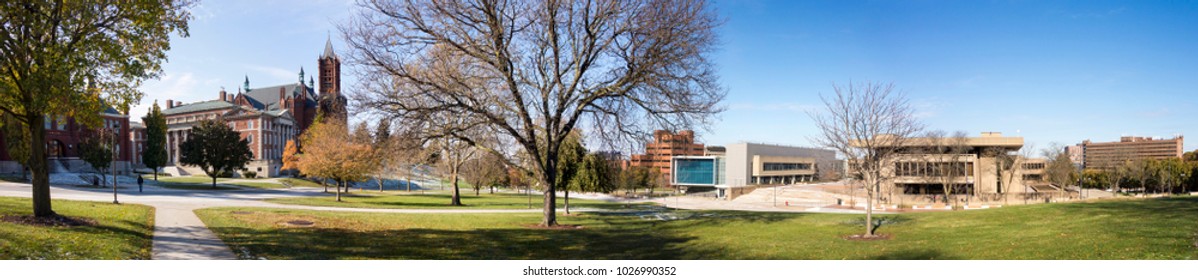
(456, 200)
(325, 184)
(213, 181)
(869, 210)
(338, 191)
(568, 201)
(37, 166)
(380, 178)
(407, 181)
(550, 209)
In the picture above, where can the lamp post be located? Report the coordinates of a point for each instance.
(112, 166)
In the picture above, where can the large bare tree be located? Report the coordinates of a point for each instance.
(868, 124)
(532, 71)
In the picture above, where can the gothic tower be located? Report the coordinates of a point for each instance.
(330, 71)
(330, 100)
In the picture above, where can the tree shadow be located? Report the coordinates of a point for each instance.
(915, 254)
(476, 244)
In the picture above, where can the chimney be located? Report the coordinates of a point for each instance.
(281, 89)
(170, 104)
(178, 103)
(223, 95)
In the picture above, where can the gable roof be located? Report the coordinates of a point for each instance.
(198, 107)
(267, 98)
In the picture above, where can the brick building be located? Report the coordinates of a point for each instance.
(665, 146)
(1108, 154)
(266, 117)
(63, 135)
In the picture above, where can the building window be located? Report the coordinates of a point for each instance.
(249, 124)
(250, 138)
(774, 166)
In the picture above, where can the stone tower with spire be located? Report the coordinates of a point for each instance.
(332, 103)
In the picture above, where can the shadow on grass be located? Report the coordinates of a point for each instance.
(916, 254)
(485, 244)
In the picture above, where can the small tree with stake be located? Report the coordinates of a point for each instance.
(215, 147)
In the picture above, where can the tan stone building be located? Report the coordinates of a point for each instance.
(1108, 154)
(975, 168)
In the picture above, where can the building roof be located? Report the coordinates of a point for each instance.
(136, 125)
(267, 98)
(328, 49)
(198, 107)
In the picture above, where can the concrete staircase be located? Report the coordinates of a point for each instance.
(795, 196)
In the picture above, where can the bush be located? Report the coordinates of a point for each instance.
(249, 174)
(224, 174)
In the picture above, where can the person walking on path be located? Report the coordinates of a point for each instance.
(139, 181)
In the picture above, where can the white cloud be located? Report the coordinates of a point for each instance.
(274, 74)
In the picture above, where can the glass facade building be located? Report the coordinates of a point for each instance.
(698, 171)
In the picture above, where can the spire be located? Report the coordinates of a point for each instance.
(328, 48)
(247, 83)
(311, 82)
(301, 80)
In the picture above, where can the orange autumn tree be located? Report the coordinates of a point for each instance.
(330, 152)
(291, 156)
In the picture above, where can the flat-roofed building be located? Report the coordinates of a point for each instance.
(920, 168)
(748, 164)
(1106, 155)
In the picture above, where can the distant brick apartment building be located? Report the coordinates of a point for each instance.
(1107, 155)
(266, 117)
(665, 146)
(63, 135)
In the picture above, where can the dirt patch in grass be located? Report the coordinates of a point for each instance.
(862, 237)
(52, 221)
(556, 227)
(299, 223)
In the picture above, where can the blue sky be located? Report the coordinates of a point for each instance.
(1050, 71)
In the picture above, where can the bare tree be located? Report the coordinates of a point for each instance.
(1010, 166)
(946, 161)
(1059, 169)
(532, 71)
(868, 124)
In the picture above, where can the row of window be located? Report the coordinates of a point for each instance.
(922, 169)
(781, 166)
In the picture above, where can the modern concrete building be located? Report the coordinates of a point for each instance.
(748, 164)
(1107, 155)
(665, 146)
(920, 169)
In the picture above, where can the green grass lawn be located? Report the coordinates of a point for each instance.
(205, 183)
(1131, 229)
(405, 200)
(120, 232)
(190, 179)
(300, 182)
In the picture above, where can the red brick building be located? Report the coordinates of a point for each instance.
(665, 146)
(266, 117)
(62, 143)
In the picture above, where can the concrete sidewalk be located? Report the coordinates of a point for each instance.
(180, 235)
